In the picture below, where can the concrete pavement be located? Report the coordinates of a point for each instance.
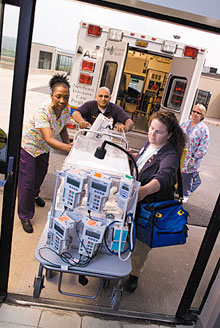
(16, 317)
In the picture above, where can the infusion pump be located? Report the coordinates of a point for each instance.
(98, 189)
(98, 192)
(125, 197)
(60, 234)
(91, 237)
(85, 222)
(74, 183)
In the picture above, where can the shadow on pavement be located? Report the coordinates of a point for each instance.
(195, 214)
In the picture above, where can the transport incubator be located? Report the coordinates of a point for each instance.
(93, 209)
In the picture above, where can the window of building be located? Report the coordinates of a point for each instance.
(45, 60)
(64, 63)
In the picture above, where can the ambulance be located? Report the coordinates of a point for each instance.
(143, 72)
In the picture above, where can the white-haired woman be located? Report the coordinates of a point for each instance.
(197, 147)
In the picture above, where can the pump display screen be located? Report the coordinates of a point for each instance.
(98, 186)
(73, 182)
(56, 227)
(92, 234)
(125, 188)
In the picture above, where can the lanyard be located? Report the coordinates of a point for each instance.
(146, 155)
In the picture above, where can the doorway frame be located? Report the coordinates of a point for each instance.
(184, 313)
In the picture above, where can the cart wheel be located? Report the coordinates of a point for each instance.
(49, 274)
(38, 285)
(105, 283)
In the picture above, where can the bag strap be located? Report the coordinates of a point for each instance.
(180, 185)
(179, 182)
(163, 206)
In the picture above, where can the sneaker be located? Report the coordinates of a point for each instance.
(39, 201)
(27, 226)
(131, 283)
(185, 198)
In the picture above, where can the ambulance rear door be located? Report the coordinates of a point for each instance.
(180, 87)
(114, 57)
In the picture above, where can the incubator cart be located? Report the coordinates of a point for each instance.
(90, 229)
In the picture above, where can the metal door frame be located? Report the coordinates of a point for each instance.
(23, 48)
(25, 29)
(184, 310)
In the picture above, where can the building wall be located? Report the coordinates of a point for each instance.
(211, 84)
(35, 54)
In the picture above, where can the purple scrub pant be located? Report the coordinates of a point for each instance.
(32, 171)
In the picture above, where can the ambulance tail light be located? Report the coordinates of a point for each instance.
(190, 52)
(88, 66)
(85, 79)
(94, 30)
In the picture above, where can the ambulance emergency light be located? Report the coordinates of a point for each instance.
(115, 35)
(94, 30)
(141, 43)
(169, 46)
(88, 66)
(85, 79)
(190, 52)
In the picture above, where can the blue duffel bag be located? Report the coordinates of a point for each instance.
(162, 224)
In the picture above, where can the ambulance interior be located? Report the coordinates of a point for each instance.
(142, 85)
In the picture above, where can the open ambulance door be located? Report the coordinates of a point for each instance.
(114, 57)
(180, 87)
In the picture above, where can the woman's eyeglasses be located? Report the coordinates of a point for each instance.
(194, 111)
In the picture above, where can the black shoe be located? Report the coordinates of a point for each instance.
(39, 201)
(27, 226)
(131, 284)
(83, 280)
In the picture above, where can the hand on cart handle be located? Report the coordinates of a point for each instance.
(84, 124)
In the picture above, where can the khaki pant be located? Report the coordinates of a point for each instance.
(138, 257)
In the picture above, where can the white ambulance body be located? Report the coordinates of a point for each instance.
(138, 69)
